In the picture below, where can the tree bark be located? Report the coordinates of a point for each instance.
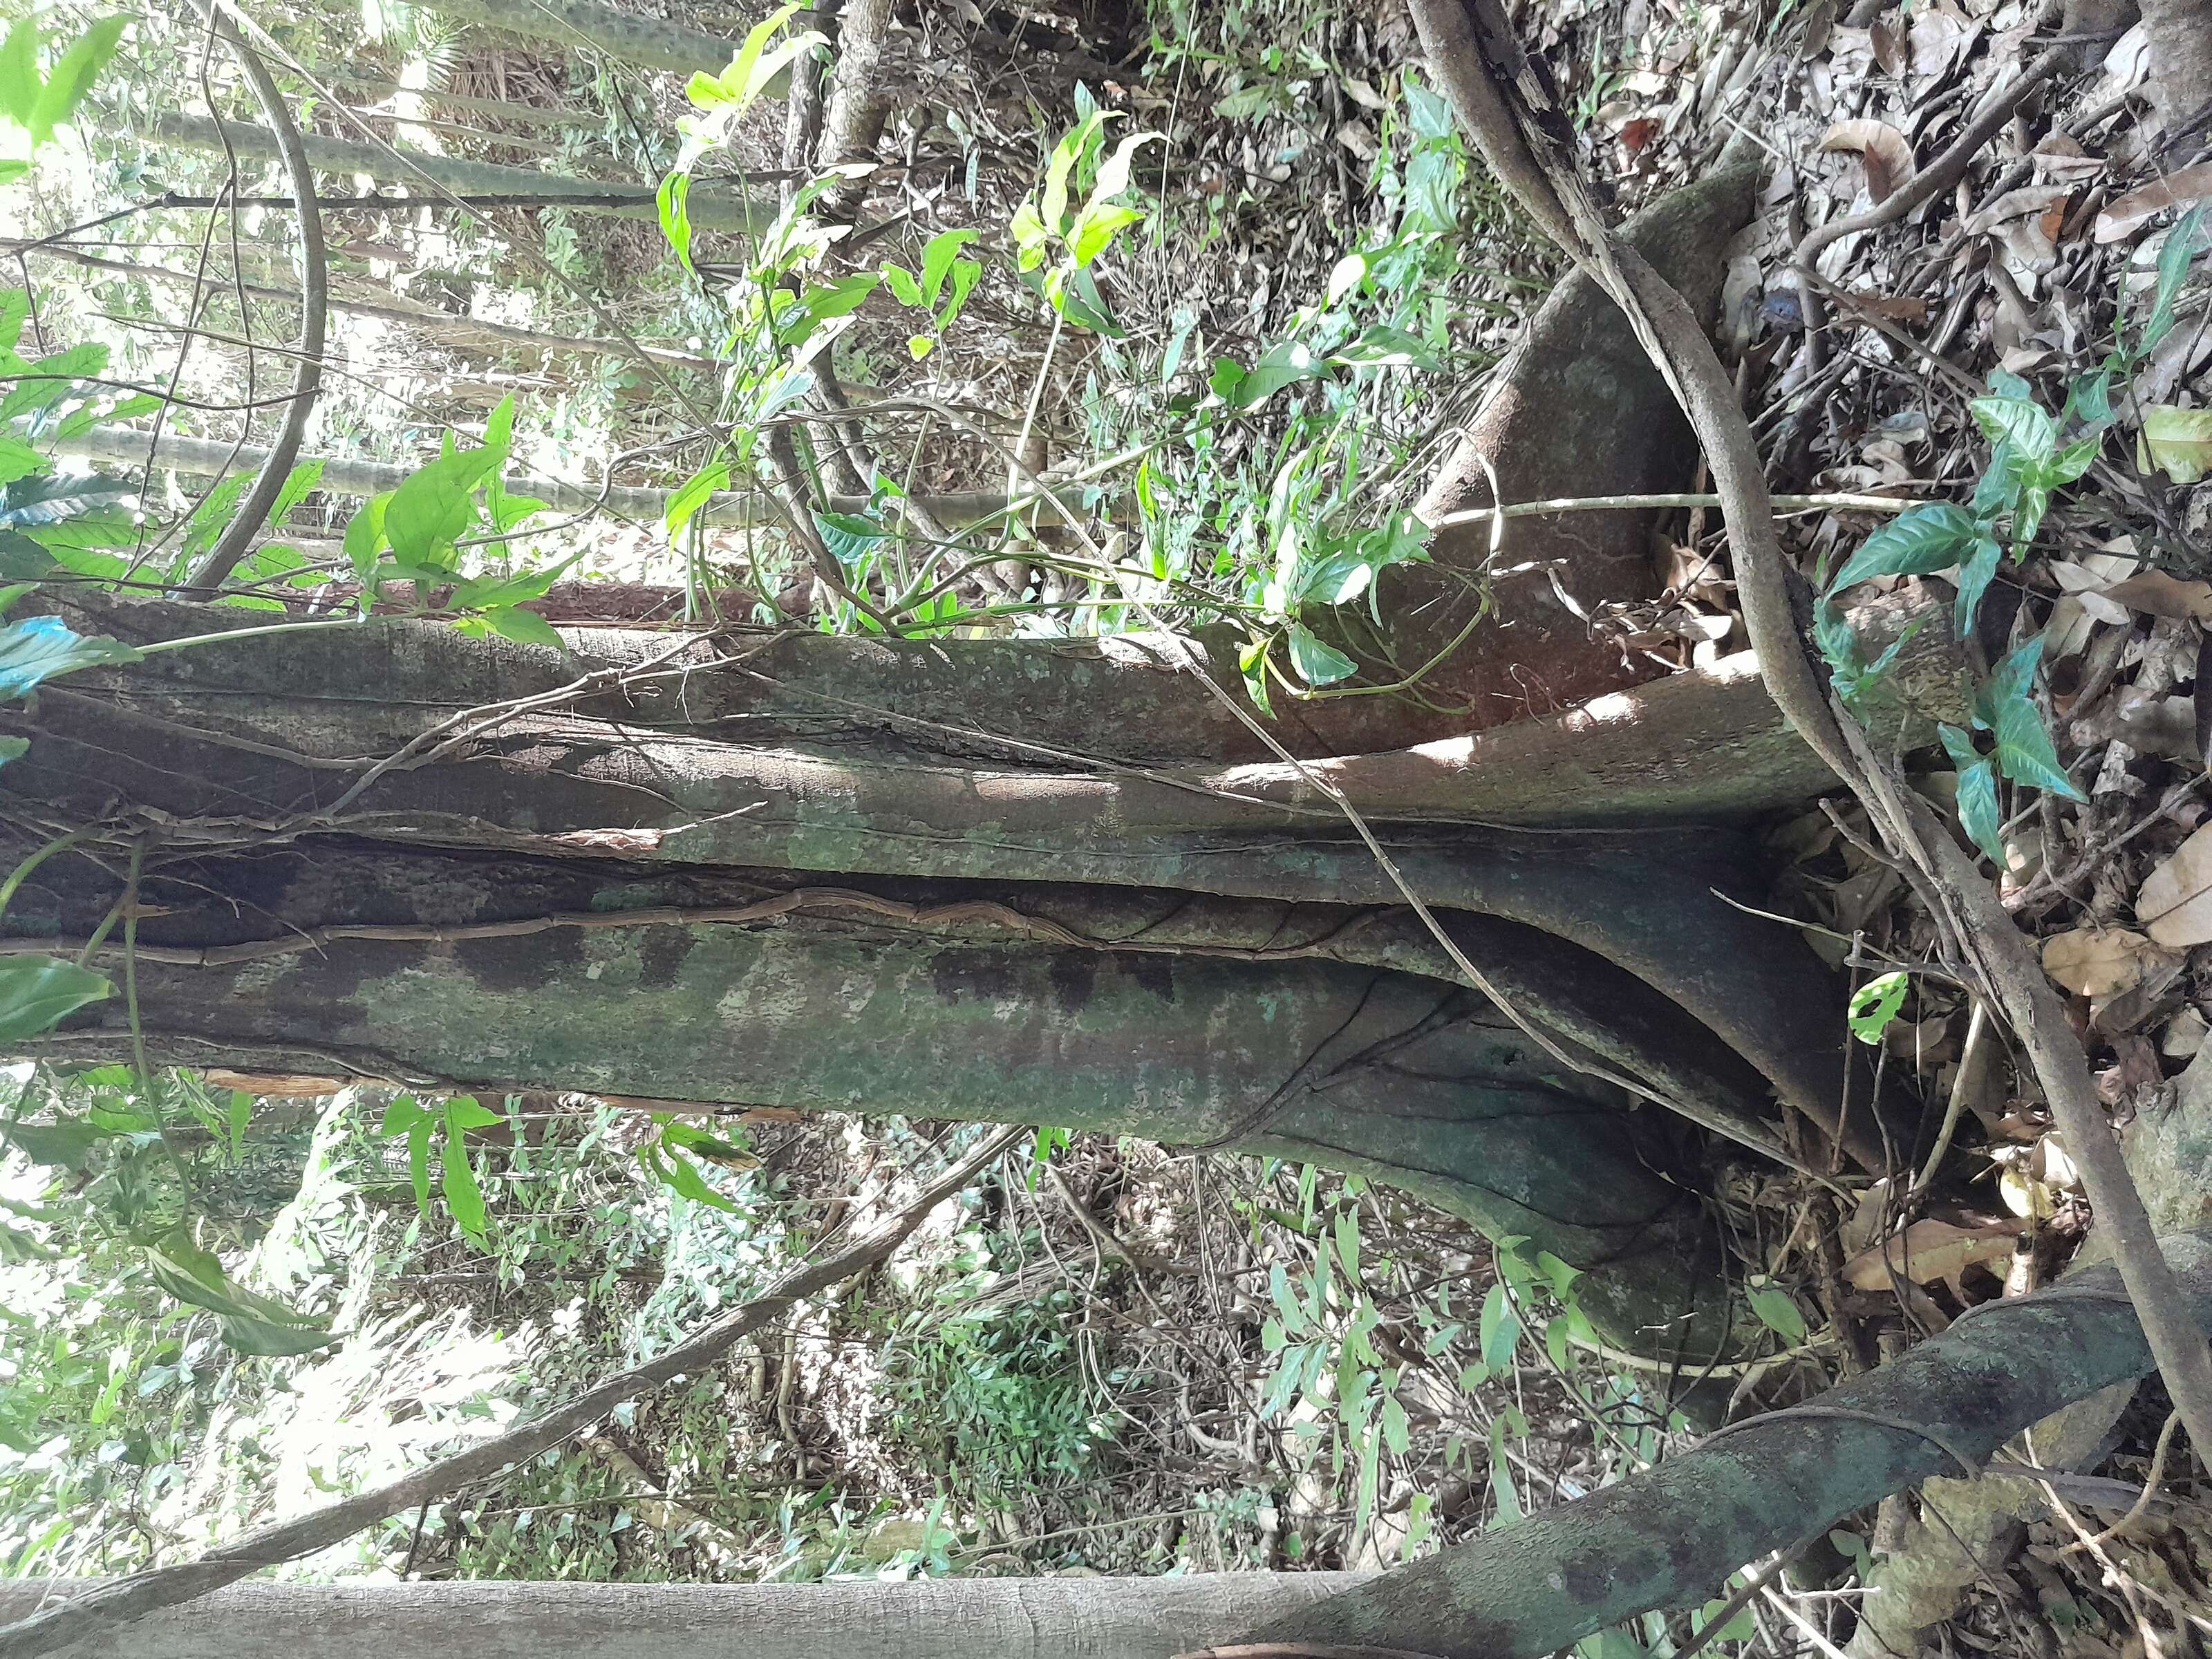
(930, 1619)
(1577, 411)
(422, 176)
(2181, 36)
(631, 37)
(858, 101)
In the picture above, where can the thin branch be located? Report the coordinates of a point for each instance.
(81, 1618)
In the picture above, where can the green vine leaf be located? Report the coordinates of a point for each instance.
(1926, 538)
(1978, 791)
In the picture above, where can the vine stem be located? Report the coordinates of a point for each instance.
(237, 539)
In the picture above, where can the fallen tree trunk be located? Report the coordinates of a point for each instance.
(1673, 1535)
(927, 1619)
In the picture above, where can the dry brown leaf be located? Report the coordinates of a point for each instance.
(1886, 41)
(1881, 149)
(2098, 962)
(1636, 132)
(2175, 904)
(2154, 593)
(2028, 201)
(2183, 188)
(1927, 1251)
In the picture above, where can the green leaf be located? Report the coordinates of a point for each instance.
(2182, 245)
(14, 749)
(527, 627)
(364, 534)
(73, 76)
(17, 459)
(2071, 461)
(1381, 346)
(251, 1323)
(848, 535)
(40, 648)
(48, 381)
(301, 482)
(1317, 662)
(1998, 487)
(1978, 791)
(1876, 1003)
(58, 498)
(21, 84)
(693, 494)
(459, 1183)
(1283, 364)
(38, 993)
(1095, 227)
(905, 287)
(1975, 574)
(66, 1143)
(1499, 1329)
(826, 301)
(2023, 749)
(464, 1112)
(428, 512)
(673, 200)
(1923, 539)
(936, 258)
(2016, 418)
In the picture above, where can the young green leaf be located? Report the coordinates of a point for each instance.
(937, 260)
(1978, 791)
(2023, 749)
(673, 203)
(848, 535)
(1976, 573)
(693, 494)
(72, 76)
(524, 627)
(1317, 662)
(464, 1197)
(1777, 1311)
(2183, 243)
(1922, 539)
(1875, 1004)
(250, 1323)
(428, 512)
(2015, 417)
